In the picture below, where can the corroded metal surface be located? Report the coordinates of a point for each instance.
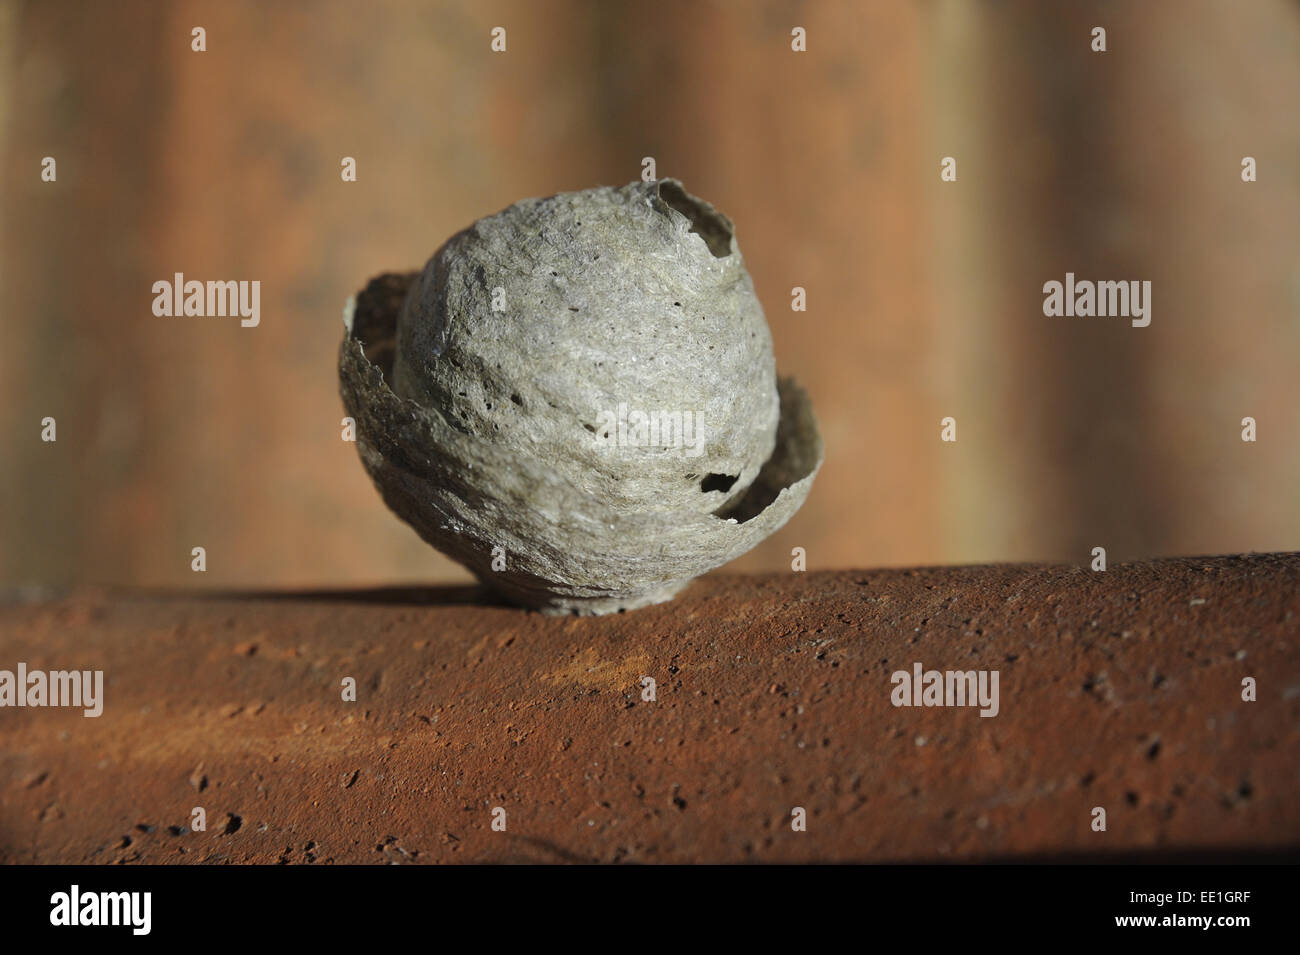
(1120, 690)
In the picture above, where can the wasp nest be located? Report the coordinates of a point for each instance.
(577, 399)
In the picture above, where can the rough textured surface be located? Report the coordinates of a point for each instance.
(581, 387)
(635, 296)
(1118, 689)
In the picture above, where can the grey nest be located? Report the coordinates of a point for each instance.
(577, 399)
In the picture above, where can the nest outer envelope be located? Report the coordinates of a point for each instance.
(636, 296)
(574, 540)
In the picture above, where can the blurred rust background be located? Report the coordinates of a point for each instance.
(924, 297)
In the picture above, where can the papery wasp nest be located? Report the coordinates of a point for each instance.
(577, 399)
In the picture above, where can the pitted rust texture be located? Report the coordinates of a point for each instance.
(1119, 689)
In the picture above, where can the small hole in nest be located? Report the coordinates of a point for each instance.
(719, 482)
(708, 224)
(517, 400)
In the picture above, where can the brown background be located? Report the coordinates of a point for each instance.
(924, 297)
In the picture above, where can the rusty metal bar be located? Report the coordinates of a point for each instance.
(1120, 690)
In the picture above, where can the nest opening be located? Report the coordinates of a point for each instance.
(718, 482)
(706, 222)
